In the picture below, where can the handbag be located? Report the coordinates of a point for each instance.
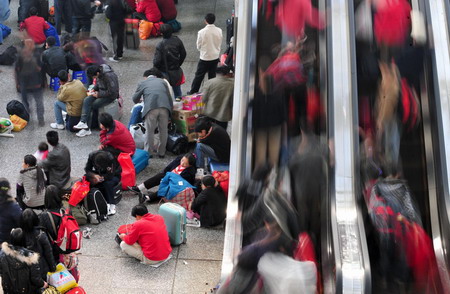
(61, 279)
(138, 133)
(79, 190)
(128, 172)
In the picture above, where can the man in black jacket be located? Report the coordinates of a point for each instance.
(105, 92)
(104, 172)
(115, 11)
(53, 58)
(82, 15)
(169, 56)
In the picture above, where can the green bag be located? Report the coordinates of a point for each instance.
(79, 212)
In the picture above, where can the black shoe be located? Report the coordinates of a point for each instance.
(190, 93)
(117, 239)
(134, 189)
(152, 197)
(161, 156)
(41, 123)
(142, 198)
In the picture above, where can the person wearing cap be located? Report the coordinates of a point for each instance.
(53, 58)
(218, 97)
(10, 211)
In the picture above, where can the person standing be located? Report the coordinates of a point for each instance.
(158, 106)
(169, 56)
(57, 164)
(148, 240)
(82, 15)
(116, 13)
(63, 14)
(29, 78)
(209, 40)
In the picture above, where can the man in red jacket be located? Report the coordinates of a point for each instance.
(35, 26)
(168, 9)
(114, 136)
(148, 240)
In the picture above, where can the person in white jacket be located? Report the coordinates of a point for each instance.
(209, 40)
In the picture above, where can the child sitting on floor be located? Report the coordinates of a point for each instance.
(42, 151)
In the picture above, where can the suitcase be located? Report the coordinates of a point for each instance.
(140, 160)
(132, 40)
(175, 219)
(96, 206)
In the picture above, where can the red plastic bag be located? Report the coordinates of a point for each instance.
(128, 171)
(223, 178)
(79, 190)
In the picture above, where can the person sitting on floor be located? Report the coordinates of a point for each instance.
(211, 203)
(213, 142)
(104, 172)
(31, 184)
(148, 239)
(10, 211)
(70, 98)
(53, 58)
(114, 136)
(105, 91)
(182, 165)
(35, 26)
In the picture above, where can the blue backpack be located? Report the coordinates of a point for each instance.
(51, 31)
(5, 30)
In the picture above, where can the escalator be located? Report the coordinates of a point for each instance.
(420, 157)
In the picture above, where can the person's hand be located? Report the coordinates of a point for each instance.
(101, 147)
(121, 236)
(94, 94)
(45, 284)
(97, 3)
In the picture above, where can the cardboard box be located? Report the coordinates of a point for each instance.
(185, 122)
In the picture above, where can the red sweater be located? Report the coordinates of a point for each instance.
(151, 234)
(168, 9)
(150, 9)
(35, 26)
(118, 137)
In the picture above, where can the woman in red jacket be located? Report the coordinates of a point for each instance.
(114, 136)
(150, 9)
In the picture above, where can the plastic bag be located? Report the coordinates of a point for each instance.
(79, 190)
(61, 279)
(138, 133)
(128, 171)
(19, 123)
(145, 28)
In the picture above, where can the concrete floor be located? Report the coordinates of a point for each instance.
(195, 267)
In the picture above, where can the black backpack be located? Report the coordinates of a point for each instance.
(17, 108)
(9, 56)
(176, 143)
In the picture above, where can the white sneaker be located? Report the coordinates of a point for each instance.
(83, 133)
(114, 59)
(111, 209)
(81, 125)
(193, 223)
(57, 126)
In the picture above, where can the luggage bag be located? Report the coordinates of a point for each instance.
(175, 219)
(132, 33)
(96, 206)
(140, 160)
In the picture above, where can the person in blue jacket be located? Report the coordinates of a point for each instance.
(10, 211)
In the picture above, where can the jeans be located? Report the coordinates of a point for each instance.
(89, 104)
(63, 12)
(82, 25)
(203, 67)
(177, 91)
(59, 108)
(202, 151)
(156, 118)
(118, 33)
(136, 115)
(38, 98)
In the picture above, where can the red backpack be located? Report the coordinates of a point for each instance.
(68, 236)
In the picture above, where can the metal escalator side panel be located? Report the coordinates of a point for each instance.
(352, 271)
(245, 44)
(440, 199)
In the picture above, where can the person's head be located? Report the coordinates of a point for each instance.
(208, 182)
(43, 147)
(106, 120)
(17, 237)
(52, 138)
(202, 126)
(188, 160)
(210, 18)
(93, 71)
(139, 211)
(28, 220)
(166, 31)
(4, 188)
(223, 70)
(102, 162)
(52, 199)
(63, 76)
(153, 72)
(29, 161)
(50, 42)
(33, 11)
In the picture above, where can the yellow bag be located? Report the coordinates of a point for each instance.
(61, 279)
(145, 28)
(18, 122)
